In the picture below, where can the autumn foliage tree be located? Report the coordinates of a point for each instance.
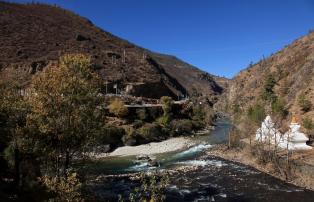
(65, 108)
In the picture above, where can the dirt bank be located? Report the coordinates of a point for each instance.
(302, 172)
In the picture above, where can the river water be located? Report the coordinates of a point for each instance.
(214, 179)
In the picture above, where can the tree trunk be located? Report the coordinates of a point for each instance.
(17, 166)
(67, 160)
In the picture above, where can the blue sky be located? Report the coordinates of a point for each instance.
(218, 36)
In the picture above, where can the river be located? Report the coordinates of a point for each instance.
(214, 179)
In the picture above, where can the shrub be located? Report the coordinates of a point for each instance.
(278, 107)
(163, 120)
(308, 123)
(166, 102)
(304, 103)
(64, 188)
(309, 126)
(130, 137)
(236, 109)
(129, 131)
(141, 114)
(268, 93)
(198, 113)
(110, 135)
(183, 126)
(256, 114)
(235, 137)
(138, 123)
(152, 188)
(150, 131)
(118, 108)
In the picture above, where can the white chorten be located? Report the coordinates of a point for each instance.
(296, 139)
(292, 139)
(267, 132)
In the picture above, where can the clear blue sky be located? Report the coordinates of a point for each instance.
(219, 36)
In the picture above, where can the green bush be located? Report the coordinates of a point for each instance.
(268, 93)
(130, 137)
(150, 132)
(110, 135)
(304, 103)
(198, 113)
(256, 113)
(182, 126)
(308, 123)
(309, 126)
(278, 107)
(166, 102)
(141, 114)
(163, 120)
(129, 131)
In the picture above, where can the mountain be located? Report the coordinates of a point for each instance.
(292, 69)
(32, 36)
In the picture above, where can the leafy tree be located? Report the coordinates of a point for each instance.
(268, 93)
(118, 108)
(65, 108)
(304, 103)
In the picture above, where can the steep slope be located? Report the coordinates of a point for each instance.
(293, 71)
(191, 78)
(33, 36)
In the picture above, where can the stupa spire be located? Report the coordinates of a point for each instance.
(294, 119)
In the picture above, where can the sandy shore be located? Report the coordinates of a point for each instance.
(169, 145)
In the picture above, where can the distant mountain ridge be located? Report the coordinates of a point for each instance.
(32, 36)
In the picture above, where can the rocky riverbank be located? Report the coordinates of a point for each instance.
(302, 173)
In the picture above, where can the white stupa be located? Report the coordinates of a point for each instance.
(291, 140)
(267, 132)
(296, 139)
